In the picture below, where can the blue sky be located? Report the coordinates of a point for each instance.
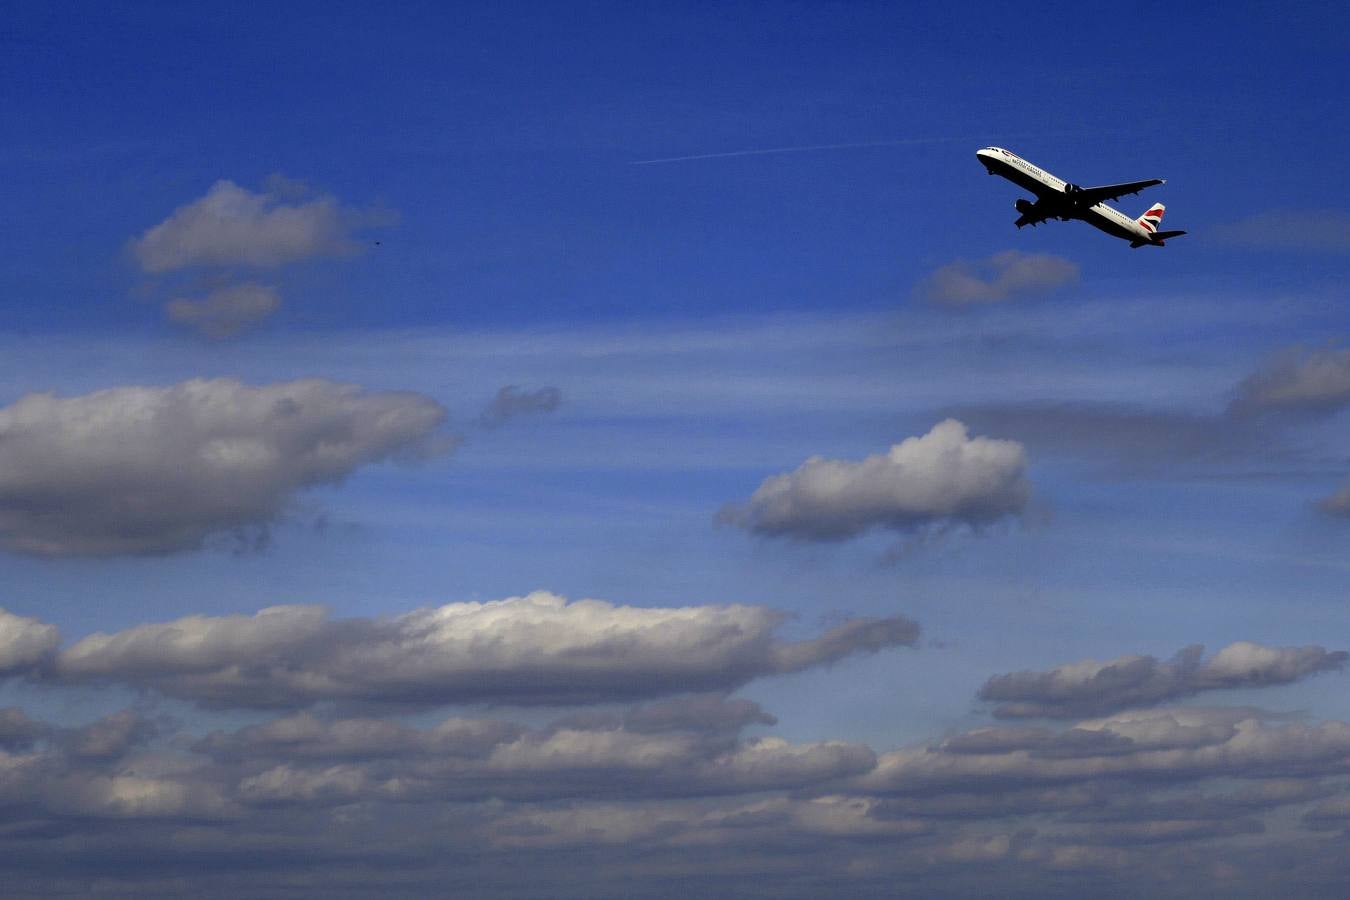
(711, 234)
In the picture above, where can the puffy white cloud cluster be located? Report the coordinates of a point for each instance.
(1090, 687)
(999, 277)
(137, 470)
(941, 479)
(232, 227)
(535, 649)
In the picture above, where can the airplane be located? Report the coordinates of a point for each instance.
(1057, 199)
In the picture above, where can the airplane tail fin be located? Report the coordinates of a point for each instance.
(1153, 218)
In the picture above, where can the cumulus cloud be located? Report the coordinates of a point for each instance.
(1091, 688)
(999, 277)
(1297, 381)
(233, 226)
(944, 478)
(512, 401)
(536, 649)
(139, 470)
(226, 312)
(25, 643)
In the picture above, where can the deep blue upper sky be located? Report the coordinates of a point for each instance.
(504, 138)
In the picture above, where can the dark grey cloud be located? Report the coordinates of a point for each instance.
(302, 760)
(142, 470)
(225, 312)
(1322, 230)
(18, 732)
(233, 226)
(944, 478)
(1174, 744)
(1091, 688)
(305, 737)
(512, 401)
(111, 737)
(537, 649)
(1000, 277)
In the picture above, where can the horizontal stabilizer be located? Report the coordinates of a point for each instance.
(1164, 235)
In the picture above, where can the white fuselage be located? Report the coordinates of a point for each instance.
(1041, 183)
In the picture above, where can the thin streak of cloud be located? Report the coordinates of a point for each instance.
(805, 148)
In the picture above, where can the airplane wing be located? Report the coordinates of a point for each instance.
(1033, 213)
(1032, 218)
(1093, 195)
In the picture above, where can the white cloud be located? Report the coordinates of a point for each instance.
(997, 278)
(155, 470)
(226, 312)
(232, 226)
(25, 642)
(943, 478)
(534, 649)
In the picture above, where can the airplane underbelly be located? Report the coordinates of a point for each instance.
(1109, 225)
(1020, 178)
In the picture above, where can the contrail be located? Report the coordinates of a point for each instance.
(808, 148)
(802, 149)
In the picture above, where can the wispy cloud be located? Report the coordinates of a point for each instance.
(999, 277)
(226, 312)
(1319, 230)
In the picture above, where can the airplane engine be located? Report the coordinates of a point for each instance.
(1024, 206)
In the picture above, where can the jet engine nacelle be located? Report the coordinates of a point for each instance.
(1024, 206)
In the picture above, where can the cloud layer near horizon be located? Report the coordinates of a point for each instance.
(673, 785)
(140, 470)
